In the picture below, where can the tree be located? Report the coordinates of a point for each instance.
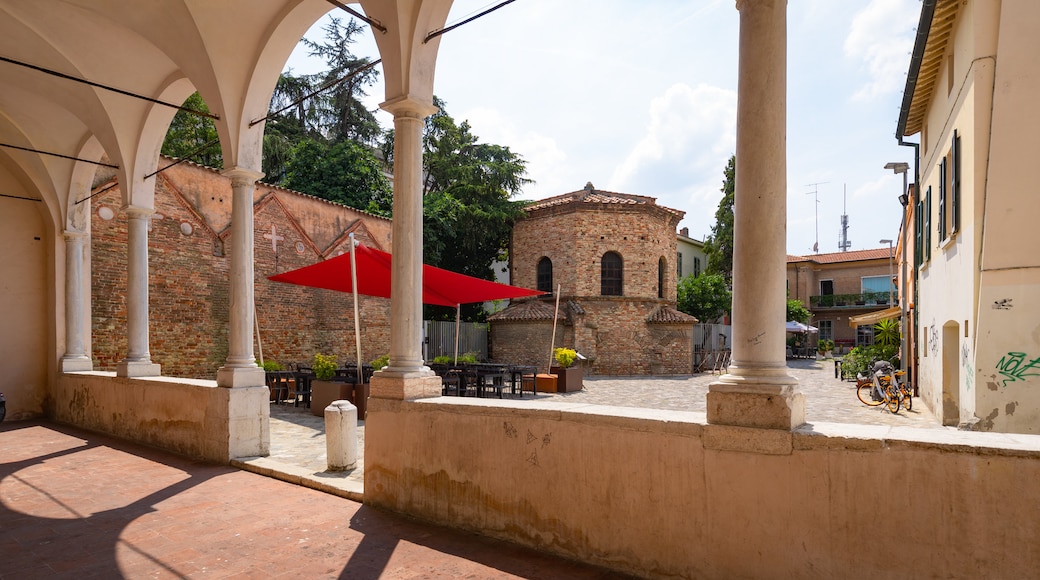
(797, 311)
(706, 296)
(344, 172)
(188, 133)
(719, 245)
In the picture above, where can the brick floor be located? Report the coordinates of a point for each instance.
(81, 505)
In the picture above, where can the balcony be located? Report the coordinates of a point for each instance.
(864, 300)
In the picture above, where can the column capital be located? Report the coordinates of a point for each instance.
(408, 106)
(138, 212)
(74, 235)
(242, 175)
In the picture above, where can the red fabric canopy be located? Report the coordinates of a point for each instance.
(440, 287)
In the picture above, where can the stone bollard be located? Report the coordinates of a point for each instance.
(341, 435)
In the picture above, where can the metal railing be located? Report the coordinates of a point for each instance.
(868, 299)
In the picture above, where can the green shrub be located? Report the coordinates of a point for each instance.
(825, 345)
(565, 357)
(380, 362)
(324, 366)
(270, 366)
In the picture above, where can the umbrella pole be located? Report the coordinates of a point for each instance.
(357, 317)
(552, 343)
(458, 315)
(259, 345)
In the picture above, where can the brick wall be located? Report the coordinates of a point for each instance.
(189, 276)
(611, 331)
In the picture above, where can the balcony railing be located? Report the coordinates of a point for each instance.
(866, 299)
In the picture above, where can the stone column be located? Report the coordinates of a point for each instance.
(138, 361)
(241, 369)
(75, 358)
(757, 390)
(406, 377)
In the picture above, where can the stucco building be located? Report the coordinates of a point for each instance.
(838, 286)
(970, 97)
(611, 256)
(690, 258)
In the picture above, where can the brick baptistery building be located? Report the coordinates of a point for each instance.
(189, 265)
(613, 257)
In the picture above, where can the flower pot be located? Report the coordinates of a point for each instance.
(568, 379)
(545, 383)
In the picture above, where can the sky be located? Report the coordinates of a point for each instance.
(641, 98)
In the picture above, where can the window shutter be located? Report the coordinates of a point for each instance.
(918, 232)
(928, 224)
(956, 185)
(942, 199)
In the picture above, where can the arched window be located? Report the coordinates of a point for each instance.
(610, 274)
(545, 281)
(661, 265)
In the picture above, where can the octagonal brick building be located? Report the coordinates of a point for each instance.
(612, 256)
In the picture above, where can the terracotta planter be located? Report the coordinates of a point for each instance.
(325, 392)
(568, 379)
(545, 383)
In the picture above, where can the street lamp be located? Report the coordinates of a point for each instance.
(889, 242)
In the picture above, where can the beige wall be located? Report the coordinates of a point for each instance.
(661, 494)
(191, 417)
(25, 350)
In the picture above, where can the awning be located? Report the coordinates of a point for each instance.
(875, 317)
(799, 327)
(440, 287)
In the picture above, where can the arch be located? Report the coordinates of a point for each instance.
(611, 274)
(661, 265)
(545, 275)
(951, 379)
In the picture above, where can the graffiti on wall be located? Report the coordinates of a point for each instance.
(1003, 304)
(933, 339)
(969, 370)
(1014, 366)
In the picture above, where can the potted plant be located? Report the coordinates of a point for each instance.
(825, 348)
(568, 376)
(323, 389)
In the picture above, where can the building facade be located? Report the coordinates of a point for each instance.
(839, 286)
(188, 236)
(611, 258)
(690, 259)
(971, 99)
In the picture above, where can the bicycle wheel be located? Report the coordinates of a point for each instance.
(908, 398)
(892, 399)
(863, 392)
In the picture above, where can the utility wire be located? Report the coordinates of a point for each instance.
(19, 197)
(108, 88)
(92, 196)
(441, 31)
(57, 155)
(324, 87)
(185, 158)
(370, 21)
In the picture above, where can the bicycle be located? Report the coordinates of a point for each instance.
(881, 387)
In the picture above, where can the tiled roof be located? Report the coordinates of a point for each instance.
(597, 196)
(836, 257)
(669, 315)
(524, 310)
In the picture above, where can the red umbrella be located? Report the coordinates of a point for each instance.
(440, 287)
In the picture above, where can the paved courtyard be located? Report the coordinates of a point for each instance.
(298, 437)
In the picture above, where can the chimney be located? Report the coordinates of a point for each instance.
(685, 232)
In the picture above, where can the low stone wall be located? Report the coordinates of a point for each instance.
(190, 417)
(662, 494)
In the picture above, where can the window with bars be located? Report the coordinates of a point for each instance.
(610, 274)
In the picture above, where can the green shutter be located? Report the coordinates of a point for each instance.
(942, 200)
(928, 224)
(918, 232)
(955, 199)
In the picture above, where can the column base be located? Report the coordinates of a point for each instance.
(74, 364)
(767, 403)
(234, 377)
(405, 386)
(131, 369)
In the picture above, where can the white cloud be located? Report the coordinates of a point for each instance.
(881, 35)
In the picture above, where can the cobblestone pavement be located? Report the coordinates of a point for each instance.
(298, 437)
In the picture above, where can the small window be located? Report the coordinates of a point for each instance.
(545, 279)
(696, 267)
(826, 287)
(826, 329)
(610, 274)
(865, 335)
(678, 264)
(661, 265)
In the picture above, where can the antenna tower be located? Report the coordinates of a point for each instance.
(816, 195)
(844, 244)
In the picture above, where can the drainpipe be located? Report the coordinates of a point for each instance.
(910, 366)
